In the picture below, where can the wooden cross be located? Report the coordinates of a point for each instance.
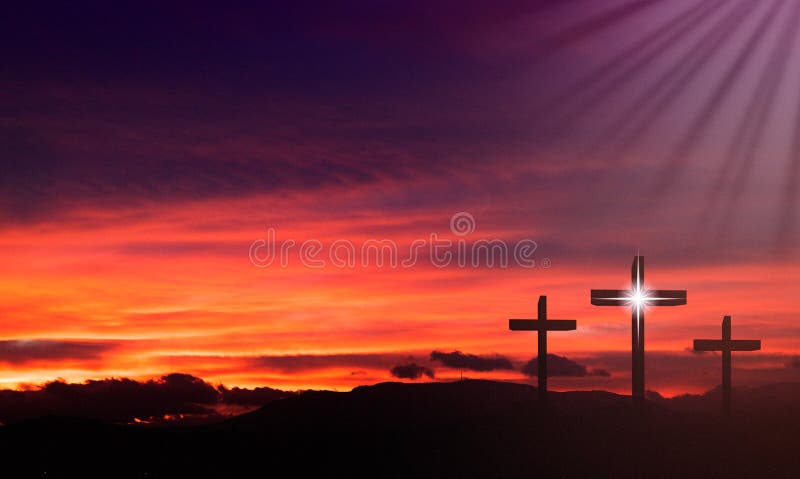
(726, 345)
(637, 298)
(542, 325)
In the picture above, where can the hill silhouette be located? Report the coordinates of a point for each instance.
(461, 429)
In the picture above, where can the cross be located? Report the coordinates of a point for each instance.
(542, 325)
(726, 345)
(637, 298)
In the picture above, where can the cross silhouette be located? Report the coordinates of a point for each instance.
(542, 325)
(726, 345)
(638, 298)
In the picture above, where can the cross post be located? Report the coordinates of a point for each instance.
(541, 326)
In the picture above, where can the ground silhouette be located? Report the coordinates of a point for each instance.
(461, 429)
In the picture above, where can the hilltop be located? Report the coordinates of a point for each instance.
(461, 429)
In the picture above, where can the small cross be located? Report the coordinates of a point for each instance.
(542, 325)
(726, 345)
(637, 298)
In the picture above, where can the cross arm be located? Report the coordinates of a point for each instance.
(745, 344)
(610, 297)
(536, 325)
(727, 344)
(666, 297)
(708, 345)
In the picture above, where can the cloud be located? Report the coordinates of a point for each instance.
(563, 367)
(306, 362)
(459, 360)
(694, 351)
(251, 397)
(242, 141)
(118, 400)
(30, 350)
(793, 362)
(125, 400)
(411, 371)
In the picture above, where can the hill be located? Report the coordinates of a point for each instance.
(462, 429)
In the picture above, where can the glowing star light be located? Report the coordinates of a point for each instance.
(638, 298)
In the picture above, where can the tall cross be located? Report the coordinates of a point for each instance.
(638, 298)
(542, 325)
(726, 345)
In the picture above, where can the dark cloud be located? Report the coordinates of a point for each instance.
(263, 121)
(135, 106)
(411, 371)
(459, 360)
(304, 362)
(251, 397)
(30, 350)
(563, 367)
(793, 362)
(124, 400)
(224, 43)
(600, 372)
(176, 248)
(118, 400)
(694, 351)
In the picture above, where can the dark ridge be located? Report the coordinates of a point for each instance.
(460, 429)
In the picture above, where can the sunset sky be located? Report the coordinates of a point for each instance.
(147, 149)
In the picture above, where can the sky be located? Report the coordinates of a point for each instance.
(152, 153)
